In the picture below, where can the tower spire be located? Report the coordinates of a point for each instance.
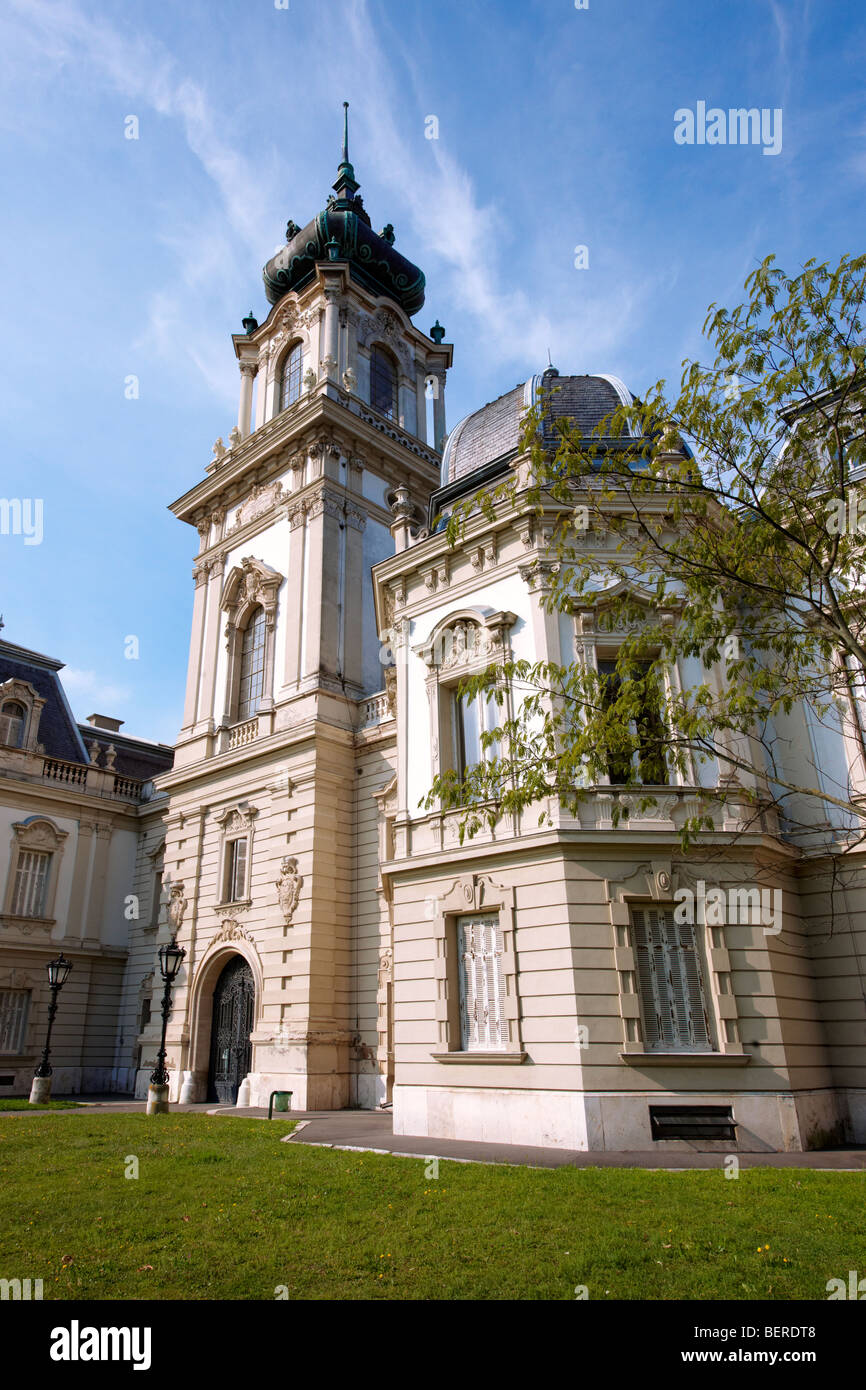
(346, 186)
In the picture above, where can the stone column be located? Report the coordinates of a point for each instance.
(261, 398)
(421, 400)
(248, 371)
(295, 596)
(206, 711)
(196, 645)
(438, 410)
(330, 357)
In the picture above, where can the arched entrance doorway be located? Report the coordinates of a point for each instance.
(232, 1023)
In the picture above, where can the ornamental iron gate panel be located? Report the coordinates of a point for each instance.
(230, 1049)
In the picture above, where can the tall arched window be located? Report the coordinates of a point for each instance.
(252, 675)
(383, 383)
(291, 379)
(12, 719)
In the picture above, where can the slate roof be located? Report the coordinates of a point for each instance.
(61, 736)
(493, 432)
(134, 757)
(58, 732)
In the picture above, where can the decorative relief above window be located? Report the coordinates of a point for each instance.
(33, 868)
(250, 604)
(464, 644)
(235, 855)
(20, 712)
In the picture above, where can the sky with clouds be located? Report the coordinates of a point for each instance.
(140, 257)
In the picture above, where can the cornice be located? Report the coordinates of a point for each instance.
(290, 431)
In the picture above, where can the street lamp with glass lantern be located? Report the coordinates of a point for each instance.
(170, 960)
(58, 974)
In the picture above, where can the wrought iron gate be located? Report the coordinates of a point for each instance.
(230, 1050)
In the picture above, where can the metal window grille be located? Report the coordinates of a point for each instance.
(31, 883)
(483, 1026)
(671, 985)
(14, 1009)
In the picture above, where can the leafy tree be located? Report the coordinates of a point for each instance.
(739, 557)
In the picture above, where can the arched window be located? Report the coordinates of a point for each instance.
(252, 675)
(383, 383)
(291, 379)
(12, 719)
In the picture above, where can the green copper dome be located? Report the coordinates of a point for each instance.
(343, 232)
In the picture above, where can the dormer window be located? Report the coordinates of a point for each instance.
(13, 717)
(292, 376)
(383, 383)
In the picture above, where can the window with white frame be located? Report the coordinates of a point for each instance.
(252, 667)
(471, 718)
(14, 1011)
(292, 376)
(13, 717)
(31, 884)
(483, 1024)
(671, 982)
(647, 763)
(235, 883)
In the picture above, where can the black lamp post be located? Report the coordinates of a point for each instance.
(170, 961)
(58, 974)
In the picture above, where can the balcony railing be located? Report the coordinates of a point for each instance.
(242, 734)
(56, 770)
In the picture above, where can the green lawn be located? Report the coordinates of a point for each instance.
(222, 1209)
(21, 1103)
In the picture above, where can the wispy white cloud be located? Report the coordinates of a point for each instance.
(89, 687)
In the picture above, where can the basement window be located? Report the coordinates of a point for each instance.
(692, 1122)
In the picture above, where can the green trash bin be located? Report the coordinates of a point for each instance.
(280, 1100)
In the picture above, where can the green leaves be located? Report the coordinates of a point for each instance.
(714, 536)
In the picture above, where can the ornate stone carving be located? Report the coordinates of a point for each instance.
(288, 887)
(391, 689)
(310, 379)
(38, 833)
(234, 437)
(219, 449)
(386, 966)
(231, 930)
(93, 749)
(176, 907)
(249, 584)
(261, 500)
(350, 381)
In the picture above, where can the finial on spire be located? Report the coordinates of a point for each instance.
(346, 186)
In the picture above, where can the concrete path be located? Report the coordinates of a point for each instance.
(371, 1131)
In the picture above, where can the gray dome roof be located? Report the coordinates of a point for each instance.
(493, 432)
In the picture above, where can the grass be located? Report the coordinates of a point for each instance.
(222, 1209)
(21, 1103)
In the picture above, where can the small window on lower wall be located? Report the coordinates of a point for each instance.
(483, 1025)
(14, 1009)
(692, 1122)
(670, 977)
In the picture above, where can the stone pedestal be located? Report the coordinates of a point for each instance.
(40, 1091)
(157, 1100)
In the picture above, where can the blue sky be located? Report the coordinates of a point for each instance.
(556, 128)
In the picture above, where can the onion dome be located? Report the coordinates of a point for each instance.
(492, 434)
(343, 232)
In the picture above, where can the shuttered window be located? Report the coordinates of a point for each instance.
(672, 998)
(483, 1026)
(14, 1008)
(236, 871)
(31, 884)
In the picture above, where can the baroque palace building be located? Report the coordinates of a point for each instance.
(528, 985)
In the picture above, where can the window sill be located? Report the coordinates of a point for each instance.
(507, 1059)
(686, 1059)
(242, 905)
(17, 917)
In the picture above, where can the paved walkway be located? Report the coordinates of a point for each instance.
(371, 1131)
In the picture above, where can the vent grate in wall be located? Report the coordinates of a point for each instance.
(692, 1122)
